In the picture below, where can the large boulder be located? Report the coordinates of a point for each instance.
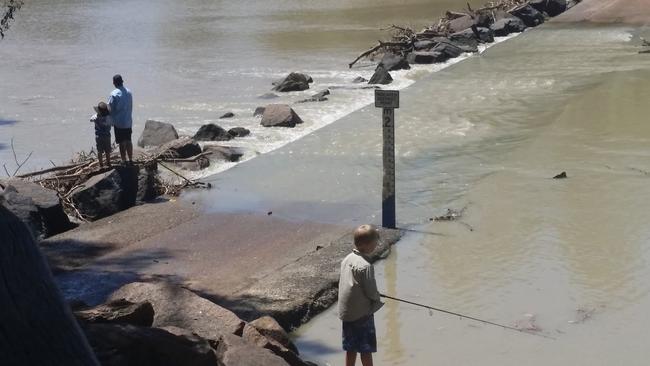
(550, 7)
(483, 19)
(270, 328)
(182, 148)
(393, 62)
(118, 311)
(484, 35)
(505, 26)
(227, 153)
(157, 133)
(129, 345)
(212, 132)
(178, 307)
(36, 324)
(381, 76)
(107, 193)
(460, 24)
(239, 131)
(294, 82)
(280, 115)
(425, 57)
(39, 208)
(259, 111)
(235, 351)
(447, 50)
(529, 15)
(253, 336)
(424, 45)
(464, 38)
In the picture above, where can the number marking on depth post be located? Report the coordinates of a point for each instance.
(389, 101)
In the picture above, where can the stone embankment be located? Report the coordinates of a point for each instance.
(458, 33)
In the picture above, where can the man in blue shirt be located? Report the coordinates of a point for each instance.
(121, 106)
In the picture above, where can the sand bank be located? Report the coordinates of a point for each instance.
(609, 11)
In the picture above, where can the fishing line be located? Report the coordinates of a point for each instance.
(465, 316)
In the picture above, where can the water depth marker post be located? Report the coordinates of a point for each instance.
(389, 101)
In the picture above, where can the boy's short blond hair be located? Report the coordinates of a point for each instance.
(365, 234)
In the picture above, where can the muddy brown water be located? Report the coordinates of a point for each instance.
(566, 257)
(569, 257)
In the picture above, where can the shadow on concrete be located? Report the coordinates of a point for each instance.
(82, 274)
(64, 255)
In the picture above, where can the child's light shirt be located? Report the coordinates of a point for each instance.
(103, 125)
(358, 295)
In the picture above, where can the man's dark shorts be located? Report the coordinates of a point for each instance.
(122, 135)
(103, 144)
(359, 335)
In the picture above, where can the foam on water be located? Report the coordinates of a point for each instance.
(345, 99)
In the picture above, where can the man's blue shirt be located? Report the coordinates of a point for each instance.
(121, 105)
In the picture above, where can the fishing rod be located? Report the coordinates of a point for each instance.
(465, 316)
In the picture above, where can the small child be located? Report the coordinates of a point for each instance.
(359, 298)
(103, 124)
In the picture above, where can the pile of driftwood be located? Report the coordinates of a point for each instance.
(65, 179)
(403, 38)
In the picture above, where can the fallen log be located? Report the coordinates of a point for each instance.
(378, 47)
(188, 160)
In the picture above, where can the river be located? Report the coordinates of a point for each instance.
(187, 63)
(566, 257)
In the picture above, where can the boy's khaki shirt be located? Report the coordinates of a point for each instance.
(358, 295)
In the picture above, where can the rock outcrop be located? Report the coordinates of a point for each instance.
(393, 62)
(239, 131)
(129, 345)
(235, 351)
(529, 15)
(107, 193)
(550, 7)
(460, 24)
(157, 133)
(227, 153)
(280, 115)
(119, 311)
(506, 26)
(294, 82)
(176, 306)
(39, 208)
(270, 328)
(182, 148)
(381, 76)
(259, 111)
(253, 336)
(212, 132)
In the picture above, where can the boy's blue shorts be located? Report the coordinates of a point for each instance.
(359, 335)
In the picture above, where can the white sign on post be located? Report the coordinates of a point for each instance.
(389, 101)
(386, 99)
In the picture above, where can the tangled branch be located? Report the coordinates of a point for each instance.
(9, 9)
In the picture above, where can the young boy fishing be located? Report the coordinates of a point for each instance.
(359, 298)
(103, 124)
